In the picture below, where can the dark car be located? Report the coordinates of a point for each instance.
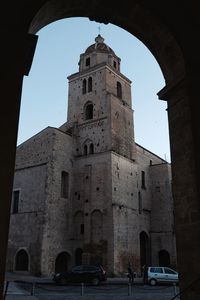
(93, 274)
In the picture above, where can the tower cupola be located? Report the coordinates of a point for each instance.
(99, 53)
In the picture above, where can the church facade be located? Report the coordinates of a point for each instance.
(86, 192)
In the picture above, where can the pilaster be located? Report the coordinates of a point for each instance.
(183, 115)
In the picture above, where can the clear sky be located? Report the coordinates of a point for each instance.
(45, 90)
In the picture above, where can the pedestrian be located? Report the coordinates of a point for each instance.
(130, 274)
(144, 273)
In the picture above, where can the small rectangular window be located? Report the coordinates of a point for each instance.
(87, 62)
(114, 64)
(82, 229)
(139, 202)
(143, 183)
(64, 184)
(16, 201)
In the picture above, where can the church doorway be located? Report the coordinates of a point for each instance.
(164, 258)
(144, 249)
(78, 256)
(62, 262)
(21, 261)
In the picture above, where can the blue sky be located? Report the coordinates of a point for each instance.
(45, 90)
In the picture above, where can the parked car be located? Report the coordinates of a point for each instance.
(93, 274)
(161, 275)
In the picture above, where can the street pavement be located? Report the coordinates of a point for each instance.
(22, 287)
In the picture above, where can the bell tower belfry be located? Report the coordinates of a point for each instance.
(100, 96)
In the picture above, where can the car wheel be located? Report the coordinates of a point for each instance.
(95, 281)
(153, 282)
(63, 281)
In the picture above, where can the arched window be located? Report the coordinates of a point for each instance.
(64, 184)
(62, 262)
(85, 152)
(89, 111)
(84, 86)
(89, 84)
(119, 89)
(21, 261)
(91, 149)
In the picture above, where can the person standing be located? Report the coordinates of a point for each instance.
(130, 273)
(144, 273)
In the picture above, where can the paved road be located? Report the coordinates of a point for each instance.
(22, 287)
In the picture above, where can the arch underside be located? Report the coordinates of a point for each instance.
(133, 17)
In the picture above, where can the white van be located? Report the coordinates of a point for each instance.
(161, 275)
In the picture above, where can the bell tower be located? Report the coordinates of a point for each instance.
(101, 118)
(100, 100)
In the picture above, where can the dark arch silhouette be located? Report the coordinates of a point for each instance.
(164, 258)
(62, 262)
(21, 261)
(152, 36)
(163, 39)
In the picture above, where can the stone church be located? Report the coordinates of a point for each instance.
(86, 192)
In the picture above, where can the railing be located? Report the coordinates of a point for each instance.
(125, 289)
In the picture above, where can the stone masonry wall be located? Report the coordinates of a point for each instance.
(162, 215)
(92, 196)
(56, 234)
(26, 226)
(125, 213)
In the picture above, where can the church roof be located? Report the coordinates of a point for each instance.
(99, 46)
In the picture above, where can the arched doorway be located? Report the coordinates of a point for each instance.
(21, 261)
(144, 249)
(164, 258)
(62, 262)
(78, 256)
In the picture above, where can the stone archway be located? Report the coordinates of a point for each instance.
(148, 24)
(78, 256)
(144, 249)
(62, 262)
(21, 261)
(164, 258)
(136, 20)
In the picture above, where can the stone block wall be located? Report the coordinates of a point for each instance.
(27, 223)
(92, 197)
